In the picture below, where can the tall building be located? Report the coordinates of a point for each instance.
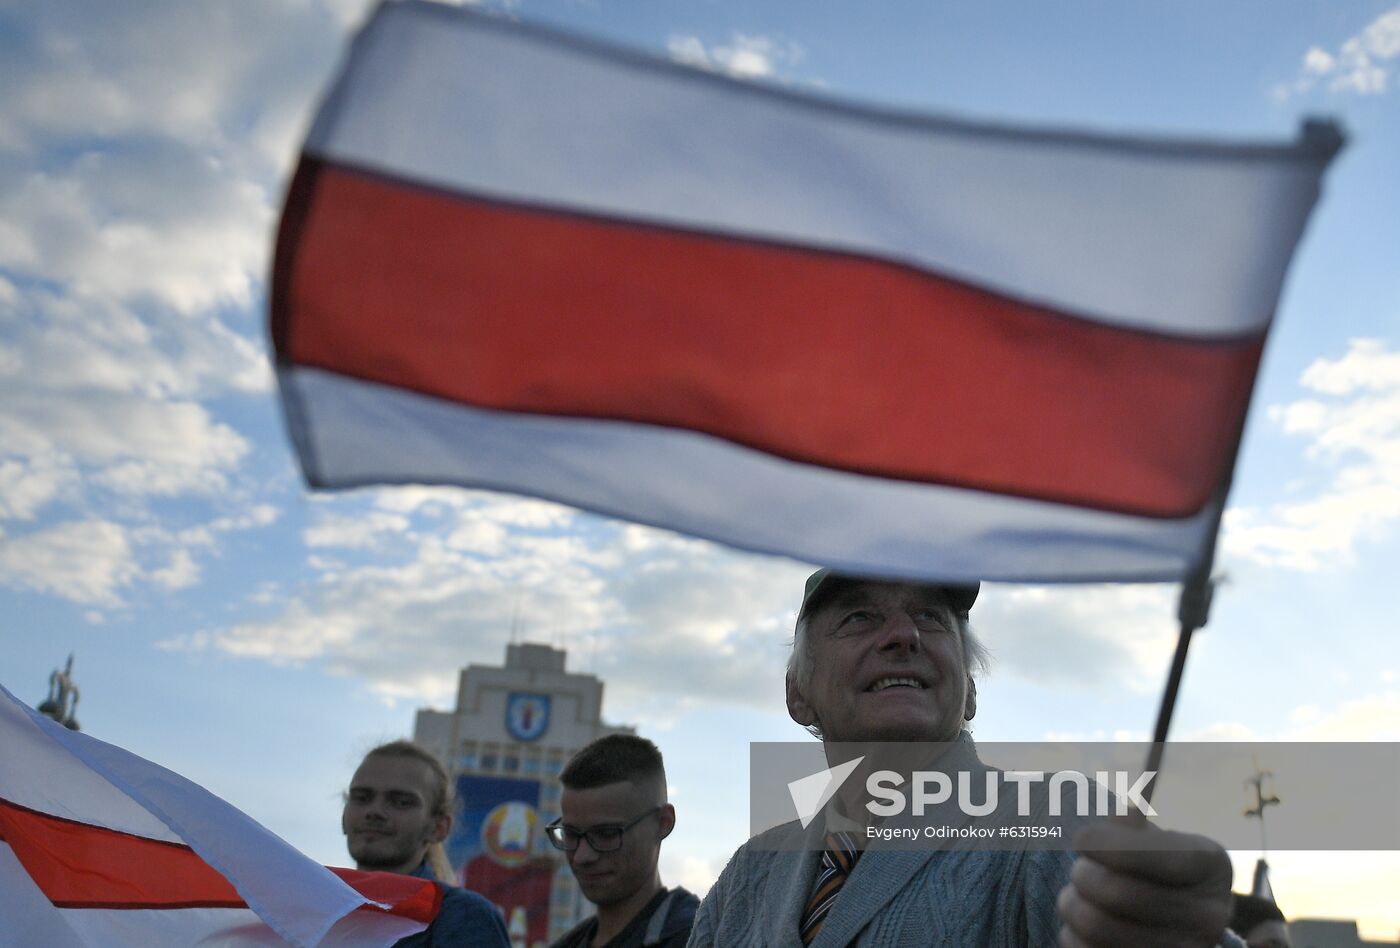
(512, 730)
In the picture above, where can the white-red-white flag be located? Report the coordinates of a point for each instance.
(883, 342)
(99, 847)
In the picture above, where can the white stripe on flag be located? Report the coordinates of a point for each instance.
(359, 433)
(28, 918)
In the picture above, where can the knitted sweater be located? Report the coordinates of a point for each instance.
(893, 898)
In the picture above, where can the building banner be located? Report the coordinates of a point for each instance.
(497, 849)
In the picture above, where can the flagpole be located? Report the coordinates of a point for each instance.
(1192, 612)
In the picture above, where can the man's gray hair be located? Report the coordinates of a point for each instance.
(976, 656)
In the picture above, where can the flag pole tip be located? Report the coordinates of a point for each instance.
(1322, 134)
(1193, 610)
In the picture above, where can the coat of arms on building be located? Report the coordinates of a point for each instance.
(527, 715)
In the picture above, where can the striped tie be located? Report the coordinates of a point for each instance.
(838, 860)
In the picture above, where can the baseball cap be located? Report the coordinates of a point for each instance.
(824, 582)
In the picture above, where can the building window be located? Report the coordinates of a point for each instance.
(510, 764)
(488, 762)
(467, 761)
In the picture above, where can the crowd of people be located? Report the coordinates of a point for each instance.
(872, 661)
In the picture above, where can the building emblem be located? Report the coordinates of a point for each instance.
(507, 833)
(527, 716)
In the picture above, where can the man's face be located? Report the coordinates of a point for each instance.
(1270, 934)
(886, 665)
(611, 877)
(387, 822)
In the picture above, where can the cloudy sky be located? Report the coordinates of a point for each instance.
(258, 638)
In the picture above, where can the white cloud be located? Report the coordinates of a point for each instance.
(694, 874)
(69, 344)
(152, 446)
(1352, 422)
(259, 515)
(1318, 62)
(182, 571)
(84, 561)
(744, 55)
(354, 531)
(214, 76)
(94, 561)
(669, 624)
(160, 224)
(1222, 731)
(1079, 636)
(406, 628)
(1365, 717)
(414, 498)
(135, 214)
(1372, 717)
(27, 484)
(1360, 64)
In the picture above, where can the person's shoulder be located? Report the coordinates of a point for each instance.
(773, 846)
(673, 930)
(465, 900)
(784, 838)
(578, 936)
(684, 900)
(466, 912)
(681, 906)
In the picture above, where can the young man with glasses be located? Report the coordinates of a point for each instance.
(615, 816)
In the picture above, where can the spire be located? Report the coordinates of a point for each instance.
(1263, 799)
(62, 702)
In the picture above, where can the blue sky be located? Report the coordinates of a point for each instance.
(257, 638)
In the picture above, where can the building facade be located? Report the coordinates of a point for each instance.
(504, 743)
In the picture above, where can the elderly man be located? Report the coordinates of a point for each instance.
(892, 661)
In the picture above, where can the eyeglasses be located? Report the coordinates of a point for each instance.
(603, 838)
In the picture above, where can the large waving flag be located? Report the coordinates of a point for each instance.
(883, 342)
(99, 847)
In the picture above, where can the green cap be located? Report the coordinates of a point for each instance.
(822, 583)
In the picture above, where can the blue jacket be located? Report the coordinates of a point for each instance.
(466, 920)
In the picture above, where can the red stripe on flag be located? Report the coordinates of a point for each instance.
(837, 360)
(408, 896)
(77, 865)
(81, 866)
